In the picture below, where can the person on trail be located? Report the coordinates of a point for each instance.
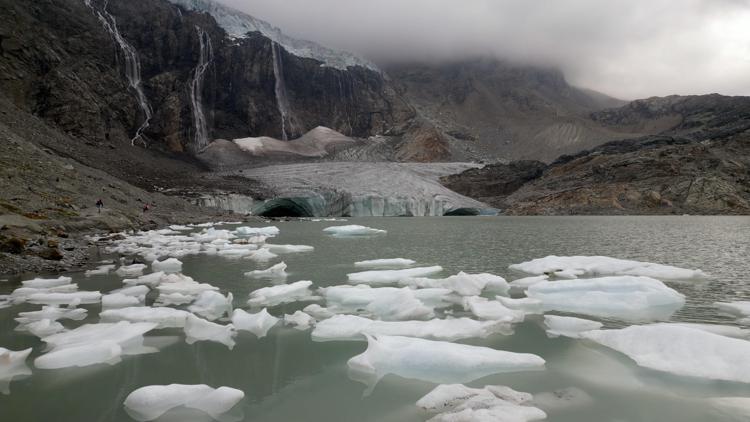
(145, 207)
(99, 205)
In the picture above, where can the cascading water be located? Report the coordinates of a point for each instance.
(132, 65)
(196, 89)
(281, 98)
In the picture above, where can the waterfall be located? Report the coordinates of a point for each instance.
(196, 89)
(132, 65)
(281, 98)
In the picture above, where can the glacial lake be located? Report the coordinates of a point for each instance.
(287, 377)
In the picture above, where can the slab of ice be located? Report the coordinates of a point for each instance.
(435, 361)
(119, 300)
(462, 283)
(169, 265)
(592, 266)
(387, 303)
(288, 248)
(283, 293)
(299, 320)
(739, 308)
(391, 276)
(22, 294)
(492, 310)
(46, 283)
(173, 299)
(399, 308)
(274, 271)
(81, 355)
(390, 263)
(100, 270)
(133, 270)
(151, 402)
(212, 305)
(65, 298)
(569, 326)
(520, 285)
(152, 279)
(525, 304)
(164, 317)
(236, 252)
(680, 350)
(258, 323)
(352, 230)
(722, 330)
(185, 287)
(269, 231)
(262, 255)
(458, 403)
(198, 329)
(318, 312)
(625, 297)
(12, 365)
(42, 328)
(180, 228)
(135, 291)
(352, 327)
(52, 313)
(210, 234)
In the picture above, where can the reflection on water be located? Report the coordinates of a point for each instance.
(287, 377)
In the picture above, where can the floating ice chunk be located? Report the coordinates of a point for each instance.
(122, 333)
(22, 294)
(81, 355)
(173, 299)
(186, 287)
(299, 320)
(352, 327)
(462, 283)
(385, 302)
(210, 234)
(492, 310)
(269, 231)
(42, 328)
(52, 313)
(352, 230)
(569, 326)
(198, 329)
(212, 305)
(457, 403)
(399, 307)
(258, 323)
(680, 350)
(318, 312)
(288, 248)
(525, 304)
(520, 285)
(385, 263)
(740, 308)
(592, 266)
(152, 279)
(275, 271)
(391, 276)
(627, 298)
(12, 365)
(435, 361)
(131, 270)
(179, 228)
(164, 317)
(283, 293)
(236, 252)
(64, 298)
(100, 270)
(46, 283)
(563, 399)
(722, 330)
(119, 300)
(135, 291)
(150, 402)
(169, 265)
(262, 255)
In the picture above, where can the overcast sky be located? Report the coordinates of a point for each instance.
(625, 48)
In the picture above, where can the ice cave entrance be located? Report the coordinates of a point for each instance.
(285, 207)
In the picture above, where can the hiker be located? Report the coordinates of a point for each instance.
(145, 207)
(99, 205)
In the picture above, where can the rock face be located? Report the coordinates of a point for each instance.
(494, 182)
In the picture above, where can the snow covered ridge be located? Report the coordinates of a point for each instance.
(238, 24)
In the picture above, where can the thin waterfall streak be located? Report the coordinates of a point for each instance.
(132, 65)
(196, 89)
(282, 101)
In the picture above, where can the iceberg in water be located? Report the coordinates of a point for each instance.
(391, 276)
(463, 284)
(100, 270)
(274, 271)
(12, 365)
(352, 230)
(458, 403)
(150, 402)
(284, 293)
(434, 361)
(169, 265)
(492, 310)
(198, 329)
(520, 285)
(299, 320)
(119, 300)
(593, 266)
(212, 305)
(46, 283)
(352, 327)
(273, 248)
(74, 298)
(52, 313)
(569, 326)
(739, 308)
(626, 297)
(390, 263)
(133, 270)
(164, 317)
(258, 323)
(387, 303)
(269, 231)
(680, 350)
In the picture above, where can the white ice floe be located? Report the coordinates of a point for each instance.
(133, 270)
(119, 300)
(492, 310)
(389, 263)
(569, 326)
(593, 266)
(237, 252)
(185, 286)
(164, 317)
(274, 271)
(52, 313)
(680, 350)
(288, 248)
(42, 328)
(626, 297)
(458, 403)
(462, 283)
(262, 255)
(210, 234)
(352, 327)
(46, 283)
(283, 293)
(151, 402)
(739, 308)
(173, 299)
(169, 265)
(391, 276)
(179, 228)
(212, 305)
(269, 231)
(138, 291)
(435, 361)
(152, 279)
(352, 230)
(74, 298)
(12, 365)
(100, 270)
(318, 312)
(525, 304)
(299, 320)
(258, 323)
(387, 303)
(722, 330)
(520, 285)
(22, 294)
(198, 329)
